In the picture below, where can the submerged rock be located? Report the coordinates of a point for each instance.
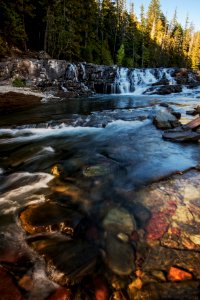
(176, 274)
(119, 220)
(168, 291)
(60, 294)
(8, 289)
(181, 136)
(67, 261)
(119, 255)
(48, 217)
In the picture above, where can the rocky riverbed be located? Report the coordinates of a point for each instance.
(94, 203)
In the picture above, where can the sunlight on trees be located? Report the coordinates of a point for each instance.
(99, 31)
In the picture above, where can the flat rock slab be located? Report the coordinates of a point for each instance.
(181, 136)
(169, 291)
(175, 211)
(12, 101)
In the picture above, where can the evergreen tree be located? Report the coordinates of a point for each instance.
(99, 31)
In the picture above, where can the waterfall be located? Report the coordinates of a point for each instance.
(82, 66)
(71, 72)
(122, 82)
(137, 81)
(167, 72)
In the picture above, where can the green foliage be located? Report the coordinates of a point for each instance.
(101, 32)
(3, 47)
(106, 55)
(120, 55)
(18, 82)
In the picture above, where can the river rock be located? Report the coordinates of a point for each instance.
(194, 112)
(61, 294)
(101, 288)
(119, 220)
(165, 120)
(119, 255)
(168, 89)
(181, 136)
(161, 258)
(118, 295)
(8, 289)
(168, 291)
(16, 101)
(176, 274)
(48, 217)
(68, 261)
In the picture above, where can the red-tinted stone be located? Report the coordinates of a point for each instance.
(176, 274)
(176, 231)
(60, 294)
(157, 226)
(8, 289)
(100, 289)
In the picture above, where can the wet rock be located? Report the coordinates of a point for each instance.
(67, 261)
(97, 170)
(181, 136)
(119, 220)
(105, 168)
(135, 284)
(16, 101)
(166, 89)
(169, 291)
(8, 289)
(101, 289)
(118, 295)
(157, 226)
(10, 250)
(60, 294)
(49, 217)
(159, 275)
(140, 213)
(165, 120)
(26, 282)
(164, 258)
(176, 114)
(176, 274)
(119, 255)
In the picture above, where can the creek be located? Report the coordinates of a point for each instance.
(86, 155)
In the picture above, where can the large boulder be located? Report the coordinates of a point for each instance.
(165, 120)
(169, 89)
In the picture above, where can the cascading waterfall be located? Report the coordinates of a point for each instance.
(122, 82)
(71, 72)
(137, 81)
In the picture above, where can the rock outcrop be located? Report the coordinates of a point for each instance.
(84, 79)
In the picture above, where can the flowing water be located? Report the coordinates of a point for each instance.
(86, 154)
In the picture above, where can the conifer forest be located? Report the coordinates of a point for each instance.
(99, 31)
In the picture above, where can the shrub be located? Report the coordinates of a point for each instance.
(18, 82)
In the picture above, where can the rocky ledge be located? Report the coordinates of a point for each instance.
(65, 79)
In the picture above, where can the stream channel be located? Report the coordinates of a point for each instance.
(69, 175)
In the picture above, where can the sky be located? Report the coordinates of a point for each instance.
(184, 7)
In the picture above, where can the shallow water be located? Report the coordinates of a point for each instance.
(99, 148)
